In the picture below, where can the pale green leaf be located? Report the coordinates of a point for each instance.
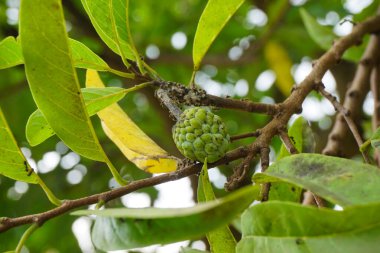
(110, 20)
(322, 35)
(124, 228)
(12, 162)
(341, 181)
(214, 17)
(84, 58)
(96, 99)
(289, 227)
(10, 53)
(221, 239)
(52, 77)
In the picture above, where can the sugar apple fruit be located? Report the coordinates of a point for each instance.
(199, 134)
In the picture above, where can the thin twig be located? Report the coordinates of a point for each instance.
(198, 97)
(173, 108)
(239, 177)
(265, 188)
(346, 114)
(287, 142)
(69, 205)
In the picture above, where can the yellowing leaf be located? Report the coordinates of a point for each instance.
(278, 59)
(131, 140)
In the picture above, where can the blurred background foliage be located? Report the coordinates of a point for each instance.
(258, 56)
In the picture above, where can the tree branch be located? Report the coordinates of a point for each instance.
(346, 114)
(69, 205)
(353, 99)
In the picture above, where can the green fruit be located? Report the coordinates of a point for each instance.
(200, 134)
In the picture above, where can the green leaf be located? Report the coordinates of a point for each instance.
(110, 20)
(302, 137)
(375, 139)
(123, 228)
(221, 239)
(276, 226)
(84, 58)
(12, 162)
(370, 10)
(341, 181)
(96, 99)
(10, 53)
(214, 17)
(52, 77)
(322, 35)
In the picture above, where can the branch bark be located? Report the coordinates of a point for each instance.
(353, 99)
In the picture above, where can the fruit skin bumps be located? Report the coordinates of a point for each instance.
(199, 134)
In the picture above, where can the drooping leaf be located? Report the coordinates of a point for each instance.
(10, 53)
(123, 228)
(281, 64)
(96, 99)
(12, 162)
(341, 181)
(214, 17)
(221, 239)
(131, 140)
(110, 20)
(52, 78)
(289, 227)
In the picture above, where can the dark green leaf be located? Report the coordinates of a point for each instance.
(276, 226)
(341, 181)
(124, 228)
(52, 77)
